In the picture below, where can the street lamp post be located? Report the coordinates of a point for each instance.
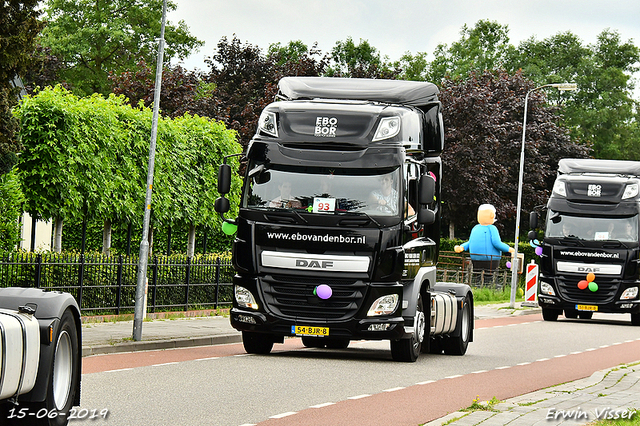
(514, 264)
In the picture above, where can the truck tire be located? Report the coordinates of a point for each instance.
(550, 314)
(457, 345)
(408, 350)
(635, 319)
(61, 389)
(257, 343)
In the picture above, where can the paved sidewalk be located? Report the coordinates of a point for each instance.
(112, 337)
(606, 394)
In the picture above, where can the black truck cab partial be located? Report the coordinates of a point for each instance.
(338, 227)
(590, 251)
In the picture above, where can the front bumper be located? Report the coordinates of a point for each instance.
(616, 307)
(353, 329)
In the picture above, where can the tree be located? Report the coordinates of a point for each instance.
(601, 112)
(96, 37)
(359, 61)
(483, 47)
(19, 27)
(413, 67)
(11, 199)
(483, 122)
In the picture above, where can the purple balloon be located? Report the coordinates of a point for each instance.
(508, 264)
(539, 251)
(323, 291)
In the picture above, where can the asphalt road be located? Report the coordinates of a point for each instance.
(220, 385)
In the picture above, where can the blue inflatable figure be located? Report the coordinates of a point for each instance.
(485, 245)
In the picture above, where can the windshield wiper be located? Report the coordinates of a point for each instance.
(365, 214)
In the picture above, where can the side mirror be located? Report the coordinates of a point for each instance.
(533, 220)
(426, 216)
(426, 190)
(224, 181)
(221, 205)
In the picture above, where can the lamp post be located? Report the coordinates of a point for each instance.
(514, 264)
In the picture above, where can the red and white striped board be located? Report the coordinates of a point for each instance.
(531, 285)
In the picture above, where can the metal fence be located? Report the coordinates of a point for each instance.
(107, 284)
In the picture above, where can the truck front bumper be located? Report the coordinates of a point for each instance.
(383, 328)
(616, 307)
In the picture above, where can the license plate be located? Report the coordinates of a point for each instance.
(305, 330)
(586, 308)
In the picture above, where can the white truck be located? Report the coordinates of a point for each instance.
(40, 356)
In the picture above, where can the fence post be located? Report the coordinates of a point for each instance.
(80, 281)
(155, 282)
(38, 270)
(215, 305)
(119, 291)
(188, 278)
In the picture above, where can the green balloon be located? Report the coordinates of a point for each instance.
(593, 286)
(229, 228)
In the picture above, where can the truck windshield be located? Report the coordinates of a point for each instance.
(324, 191)
(624, 229)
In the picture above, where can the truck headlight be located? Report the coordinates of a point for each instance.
(630, 293)
(244, 298)
(388, 128)
(630, 191)
(268, 124)
(385, 305)
(559, 188)
(546, 288)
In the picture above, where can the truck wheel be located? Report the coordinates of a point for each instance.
(61, 390)
(550, 314)
(457, 345)
(257, 343)
(585, 315)
(635, 319)
(408, 350)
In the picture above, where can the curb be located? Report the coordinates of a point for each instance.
(160, 344)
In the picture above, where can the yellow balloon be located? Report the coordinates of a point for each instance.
(591, 276)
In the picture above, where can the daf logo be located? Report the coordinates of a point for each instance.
(587, 269)
(325, 264)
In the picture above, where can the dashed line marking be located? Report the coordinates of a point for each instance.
(559, 356)
(359, 396)
(280, 416)
(453, 377)
(166, 363)
(503, 367)
(479, 371)
(207, 359)
(524, 363)
(326, 404)
(119, 369)
(393, 389)
(426, 382)
(542, 359)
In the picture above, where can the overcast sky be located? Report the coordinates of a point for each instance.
(395, 26)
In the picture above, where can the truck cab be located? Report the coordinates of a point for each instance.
(338, 227)
(590, 251)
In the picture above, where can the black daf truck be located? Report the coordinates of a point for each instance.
(590, 251)
(338, 227)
